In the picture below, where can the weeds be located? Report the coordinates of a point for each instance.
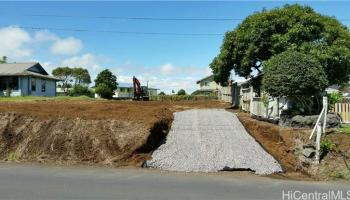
(326, 147)
(12, 157)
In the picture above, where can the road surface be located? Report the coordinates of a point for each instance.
(210, 140)
(28, 182)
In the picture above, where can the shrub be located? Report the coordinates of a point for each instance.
(8, 92)
(293, 74)
(161, 94)
(104, 91)
(333, 98)
(181, 92)
(326, 146)
(80, 90)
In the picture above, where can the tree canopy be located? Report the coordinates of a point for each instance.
(106, 83)
(265, 34)
(286, 75)
(181, 92)
(72, 76)
(3, 60)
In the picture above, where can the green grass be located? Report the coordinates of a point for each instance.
(36, 98)
(345, 128)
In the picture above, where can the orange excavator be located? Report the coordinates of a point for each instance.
(140, 92)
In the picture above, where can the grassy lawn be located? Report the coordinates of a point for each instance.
(36, 98)
(345, 128)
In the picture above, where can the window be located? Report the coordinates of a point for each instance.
(43, 85)
(33, 84)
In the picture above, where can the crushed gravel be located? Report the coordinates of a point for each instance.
(210, 140)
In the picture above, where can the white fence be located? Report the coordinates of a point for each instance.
(225, 94)
(271, 109)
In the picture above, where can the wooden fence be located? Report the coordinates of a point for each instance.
(268, 110)
(225, 94)
(343, 109)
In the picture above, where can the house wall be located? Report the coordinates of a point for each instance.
(152, 92)
(50, 87)
(209, 84)
(122, 92)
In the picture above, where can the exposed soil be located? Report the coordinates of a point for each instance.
(278, 141)
(284, 144)
(87, 132)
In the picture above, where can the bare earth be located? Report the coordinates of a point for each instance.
(111, 133)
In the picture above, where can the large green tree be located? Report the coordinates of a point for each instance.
(65, 75)
(72, 77)
(105, 84)
(81, 76)
(270, 32)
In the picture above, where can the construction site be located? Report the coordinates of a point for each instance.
(126, 133)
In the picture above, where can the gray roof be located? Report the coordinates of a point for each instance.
(210, 76)
(24, 69)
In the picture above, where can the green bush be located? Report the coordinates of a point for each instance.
(334, 98)
(181, 92)
(104, 91)
(80, 90)
(293, 74)
(8, 92)
(326, 146)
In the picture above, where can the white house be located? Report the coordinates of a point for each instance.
(207, 86)
(126, 91)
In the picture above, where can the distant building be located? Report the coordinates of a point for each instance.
(126, 91)
(207, 86)
(24, 79)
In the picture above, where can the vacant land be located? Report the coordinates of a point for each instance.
(86, 131)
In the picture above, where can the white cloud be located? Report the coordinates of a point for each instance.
(67, 46)
(13, 43)
(44, 36)
(88, 60)
(167, 69)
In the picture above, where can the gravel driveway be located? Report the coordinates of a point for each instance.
(210, 140)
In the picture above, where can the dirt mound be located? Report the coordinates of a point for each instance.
(86, 132)
(278, 141)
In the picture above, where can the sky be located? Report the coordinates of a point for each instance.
(169, 54)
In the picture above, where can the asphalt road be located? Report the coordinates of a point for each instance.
(39, 182)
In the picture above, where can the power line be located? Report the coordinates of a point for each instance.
(147, 18)
(136, 18)
(119, 32)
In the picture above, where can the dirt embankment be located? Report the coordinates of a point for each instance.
(86, 132)
(278, 141)
(285, 144)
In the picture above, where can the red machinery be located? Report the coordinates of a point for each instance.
(140, 93)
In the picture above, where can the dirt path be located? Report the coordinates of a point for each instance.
(208, 140)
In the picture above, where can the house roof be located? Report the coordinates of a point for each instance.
(210, 76)
(24, 69)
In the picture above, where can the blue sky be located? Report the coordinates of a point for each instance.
(168, 62)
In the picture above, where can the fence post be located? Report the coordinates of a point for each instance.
(325, 106)
(318, 142)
